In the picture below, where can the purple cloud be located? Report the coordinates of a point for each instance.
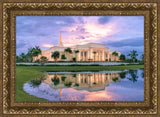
(116, 32)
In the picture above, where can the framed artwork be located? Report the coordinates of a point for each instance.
(90, 58)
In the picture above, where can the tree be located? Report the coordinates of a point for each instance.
(76, 51)
(74, 59)
(19, 59)
(23, 57)
(115, 54)
(43, 59)
(32, 52)
(35, 51)
(133, 54)
(29, 57)
(122, 57)
(68, 50)
(55, 80)
(122, 75)
(55, 55)
(63, 56)
(94, 55)
(133, 75)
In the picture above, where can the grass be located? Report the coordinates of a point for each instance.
(27, 73)
(24, 75)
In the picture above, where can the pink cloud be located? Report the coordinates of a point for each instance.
(90, 30)
(101, 95)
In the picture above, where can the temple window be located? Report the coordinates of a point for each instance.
(106, 55)
(81, 80)
(81, 53)
(84, 53)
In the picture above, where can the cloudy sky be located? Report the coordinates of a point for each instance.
(123, 33)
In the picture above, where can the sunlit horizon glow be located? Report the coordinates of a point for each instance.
(47, 45)
(123, 33)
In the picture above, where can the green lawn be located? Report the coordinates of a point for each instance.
(27, 73)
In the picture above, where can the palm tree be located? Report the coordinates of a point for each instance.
(43, 59)
(55, 55)
(29, 55)
(23, 57)
(115, 54)
(35, 51)
(122, 57)
(63, 57)
(18, 59)
(94, 55)
(76, 51)
(68, 50)
(133, 54)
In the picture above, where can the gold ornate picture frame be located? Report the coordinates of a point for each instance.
(10, 9)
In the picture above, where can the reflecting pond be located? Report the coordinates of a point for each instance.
(125, 85)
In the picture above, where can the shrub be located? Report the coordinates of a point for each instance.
(68, 84)
(35, 83)
(55, 80)
(76, 84)
(122, 64)
(37, 61)
(74, 75)
(63, 56)
(115, 79)
(90, 59)
(63, 78)
(74, 59)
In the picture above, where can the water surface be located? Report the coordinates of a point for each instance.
(89, 86)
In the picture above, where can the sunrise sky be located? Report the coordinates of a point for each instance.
(123, 33)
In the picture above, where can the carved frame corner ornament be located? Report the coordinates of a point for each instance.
(11, 10)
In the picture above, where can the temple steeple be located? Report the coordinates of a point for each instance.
(60, 41)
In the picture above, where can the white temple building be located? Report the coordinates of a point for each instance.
(87, 52)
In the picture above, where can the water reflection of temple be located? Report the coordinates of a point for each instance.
(82, 81)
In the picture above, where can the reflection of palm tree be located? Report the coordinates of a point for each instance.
(63, 78)
(115, 79)
(122, 75)
(55, 80)
(143, 74)
(68, 84)
(133, 74)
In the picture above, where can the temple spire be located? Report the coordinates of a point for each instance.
(60, 41)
